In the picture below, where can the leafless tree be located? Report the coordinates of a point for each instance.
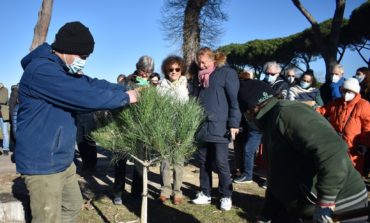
(328, 49)
(42, 25)
(192, 23)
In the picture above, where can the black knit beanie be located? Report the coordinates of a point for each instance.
(74, 38)
(252, 93)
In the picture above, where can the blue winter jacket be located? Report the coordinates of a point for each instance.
(49, 96)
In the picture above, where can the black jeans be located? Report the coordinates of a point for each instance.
(120, 179)
(215, 154)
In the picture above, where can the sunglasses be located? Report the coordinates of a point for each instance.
(174, 69)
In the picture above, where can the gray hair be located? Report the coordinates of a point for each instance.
(146, 64)
(339, 66)
(271, 64)
(286, 71)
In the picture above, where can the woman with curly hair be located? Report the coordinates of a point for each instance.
(174, 85)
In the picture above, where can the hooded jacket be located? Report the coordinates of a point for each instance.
(48, 98)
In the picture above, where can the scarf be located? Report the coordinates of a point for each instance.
(203, 76)
(335, 89)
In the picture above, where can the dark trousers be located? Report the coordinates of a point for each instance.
(217, 154)
(120, 178)
(88, 153)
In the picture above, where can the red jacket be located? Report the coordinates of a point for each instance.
(351, 120)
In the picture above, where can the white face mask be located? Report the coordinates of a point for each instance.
(270, 78)
(349, 96)
(76, 66)
(335, 78)
(304, 84)
(290, 80)
(360, 78)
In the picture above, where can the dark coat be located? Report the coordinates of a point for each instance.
(220, 102)
(48, 97)
(280, 87)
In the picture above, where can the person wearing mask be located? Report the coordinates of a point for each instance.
(139, 78)
(310, 175)
(350, 117)
(52, 89)
(174, 85)
(290, 76)
(306, 90)
(361, 75)
(272, 76)
(217, 93)
(330, 90)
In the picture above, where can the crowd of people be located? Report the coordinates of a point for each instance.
(314, 140)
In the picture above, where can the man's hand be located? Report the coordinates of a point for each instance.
(133, 96)
(234, 132)
(323, 214)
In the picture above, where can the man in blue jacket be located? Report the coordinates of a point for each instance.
(51, 91)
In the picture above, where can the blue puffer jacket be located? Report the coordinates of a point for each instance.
(48, 95)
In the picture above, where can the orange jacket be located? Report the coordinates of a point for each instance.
(352, 120)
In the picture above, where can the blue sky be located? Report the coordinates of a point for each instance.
(124, 30)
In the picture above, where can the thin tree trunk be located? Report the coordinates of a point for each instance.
(42, 25)
(328, 49)
(144, 204)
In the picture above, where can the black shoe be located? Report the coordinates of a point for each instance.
(6, 152)
(242, 179)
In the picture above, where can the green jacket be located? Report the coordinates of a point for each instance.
(306, 159)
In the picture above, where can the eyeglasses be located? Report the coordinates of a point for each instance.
(174, 69)
(144, 73)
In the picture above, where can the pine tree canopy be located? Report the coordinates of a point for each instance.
(156, 128)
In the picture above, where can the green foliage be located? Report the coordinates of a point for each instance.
(359, 21)
(294, 49)
(155, 128)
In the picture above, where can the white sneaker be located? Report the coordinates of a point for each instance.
(202, 199)
(226, 204)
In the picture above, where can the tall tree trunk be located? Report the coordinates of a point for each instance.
(42, 25)
(328, 49)
(191, 31)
